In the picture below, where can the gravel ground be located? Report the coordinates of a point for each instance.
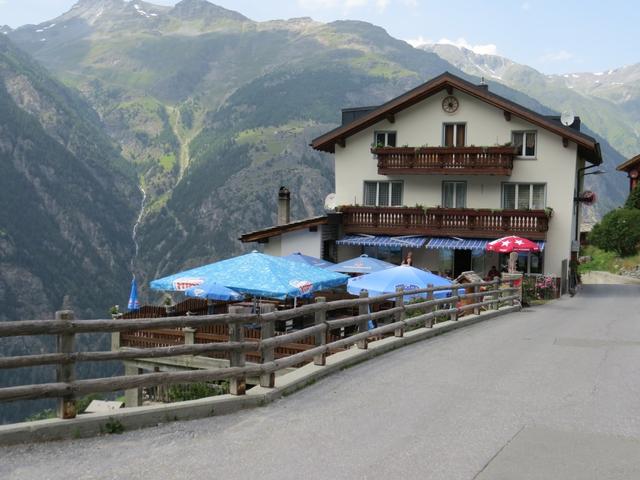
(447, 408)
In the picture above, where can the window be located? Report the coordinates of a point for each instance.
(523, 196)
(385, 139)
(454, 134)
(383, 194)
(525, 143)
(454, 194)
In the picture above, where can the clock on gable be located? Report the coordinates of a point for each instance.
(450, 104)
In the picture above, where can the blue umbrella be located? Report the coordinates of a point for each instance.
(361, 264)
(409, 278)
(258, 275)
(213, 291)
(309, 260)
(134, 304)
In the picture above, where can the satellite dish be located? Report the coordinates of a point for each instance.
(330, 202)
(567, 118)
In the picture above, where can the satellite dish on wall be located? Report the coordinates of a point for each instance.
(330, 202)
(567, 118)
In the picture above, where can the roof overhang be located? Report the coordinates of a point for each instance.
(631, 164)
(266, 233)
(588, 148)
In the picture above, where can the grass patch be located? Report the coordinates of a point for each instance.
(604, 261)
(168, 162)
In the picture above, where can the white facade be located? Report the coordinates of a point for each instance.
(302, 241)
(555, 165)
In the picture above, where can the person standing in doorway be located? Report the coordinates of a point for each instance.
(408, 260)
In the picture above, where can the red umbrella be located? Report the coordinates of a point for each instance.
(512, 244)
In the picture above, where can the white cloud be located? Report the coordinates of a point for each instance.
(526, 6)
(486, 49)
(559, 56)
(419, 42)
(409, 3)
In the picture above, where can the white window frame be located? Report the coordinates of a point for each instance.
(455, 183)
(455, 133)
(525, 134)
(386, 137)
(389, 183)
(518, 185)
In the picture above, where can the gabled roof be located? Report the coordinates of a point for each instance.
(588, 148)
(629, 164)
(280, 229)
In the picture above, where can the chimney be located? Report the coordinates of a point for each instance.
(284, 206)
(483, 85)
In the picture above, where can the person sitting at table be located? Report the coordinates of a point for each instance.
(493, 273)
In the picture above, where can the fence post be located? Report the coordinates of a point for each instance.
(237, 385)
(363, 326)
(321, 337)
(454, 292)
(496, 296)
(476, 299)
(511, 285)
(189, 335)
(267, 330)
(115, 341)
(432, 308)
(400, 316)
(66, 372)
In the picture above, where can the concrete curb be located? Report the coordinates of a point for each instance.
(140, 417)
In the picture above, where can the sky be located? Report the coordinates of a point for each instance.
(553, 36)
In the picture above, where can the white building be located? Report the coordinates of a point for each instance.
(442, 170)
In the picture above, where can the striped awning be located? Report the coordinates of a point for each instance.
(383, 241)
(465, 243)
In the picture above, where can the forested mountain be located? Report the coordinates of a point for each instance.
(68, 201)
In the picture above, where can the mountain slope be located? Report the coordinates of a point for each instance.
(68, 203)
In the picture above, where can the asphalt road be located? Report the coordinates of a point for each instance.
(552, 392)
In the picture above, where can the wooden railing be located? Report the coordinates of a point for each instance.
(445, 160)
(501, 296)
(458, 222)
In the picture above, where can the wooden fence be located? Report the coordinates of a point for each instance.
(477, 296)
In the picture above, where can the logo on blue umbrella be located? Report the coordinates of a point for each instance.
(133, 304)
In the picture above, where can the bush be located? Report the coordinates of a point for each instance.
(633, 201)
(619, 231)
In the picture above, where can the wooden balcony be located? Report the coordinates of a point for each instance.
(445, 222)
(445, 160)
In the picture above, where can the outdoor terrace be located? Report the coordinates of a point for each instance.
(459, 222)
(445, 160)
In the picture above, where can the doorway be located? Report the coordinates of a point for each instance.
(461, 262)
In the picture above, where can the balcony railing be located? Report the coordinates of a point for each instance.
(445, 160)
(458, 222)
